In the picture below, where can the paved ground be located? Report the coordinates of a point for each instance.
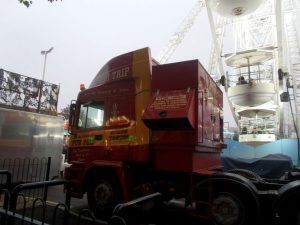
(79, 207)
(56, 195)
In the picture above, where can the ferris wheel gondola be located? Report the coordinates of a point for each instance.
(259, 89)
(233, 8)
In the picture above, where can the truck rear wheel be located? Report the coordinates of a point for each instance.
(142, 190)
(233, 204)
(287, 206)
(227, 209)
(289, 211)
(103, 194)
(247, 174)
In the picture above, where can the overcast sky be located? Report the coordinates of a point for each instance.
(86, 34)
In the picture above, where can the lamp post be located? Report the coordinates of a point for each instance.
(45, 60)
(45, 53)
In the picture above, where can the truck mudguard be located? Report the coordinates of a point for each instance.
(239, 179)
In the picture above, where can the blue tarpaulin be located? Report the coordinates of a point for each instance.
(272, 166)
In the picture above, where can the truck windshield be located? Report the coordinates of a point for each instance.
(91, 115)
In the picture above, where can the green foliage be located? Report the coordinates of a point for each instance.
(28, 3)
(66, 111)
(25, 2)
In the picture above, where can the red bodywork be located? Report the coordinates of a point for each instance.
(159, 117)
(184, 114)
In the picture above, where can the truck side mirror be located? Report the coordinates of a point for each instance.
(72, 113)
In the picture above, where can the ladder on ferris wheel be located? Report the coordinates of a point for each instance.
(294, 58)
(180, 33)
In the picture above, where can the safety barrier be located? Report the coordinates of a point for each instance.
(27, 170)
(138, 211)
(14, 212)
(15, 208)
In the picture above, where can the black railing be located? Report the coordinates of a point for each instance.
(16, 209)
(142, 210)
(5, 179)
(24, 199)
(27, 170)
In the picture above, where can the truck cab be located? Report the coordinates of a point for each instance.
(142, 127)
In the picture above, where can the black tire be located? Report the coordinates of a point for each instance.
(234, 204)
(142, 190)
(289, 209)
(103, 194)
(247, 174)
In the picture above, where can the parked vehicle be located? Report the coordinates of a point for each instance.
(142, 128)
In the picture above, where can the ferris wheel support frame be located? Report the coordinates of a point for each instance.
(180, 33)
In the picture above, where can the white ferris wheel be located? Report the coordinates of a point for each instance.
(261, 73)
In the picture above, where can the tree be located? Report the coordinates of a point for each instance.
(28, 3)
(65, 111)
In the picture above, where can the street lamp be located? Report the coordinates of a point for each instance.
(45, 53)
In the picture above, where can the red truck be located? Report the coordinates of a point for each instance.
(142, 127)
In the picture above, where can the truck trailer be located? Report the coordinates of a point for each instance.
(141, 127)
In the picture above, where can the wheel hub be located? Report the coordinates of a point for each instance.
(227, 210)
(103, 193)
(143, 190)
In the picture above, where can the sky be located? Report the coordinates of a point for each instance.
(85, 34)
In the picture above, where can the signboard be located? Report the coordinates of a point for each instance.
(171, 110)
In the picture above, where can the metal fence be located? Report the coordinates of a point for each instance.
(144, 210)
(24, 187)
(15, 208)
(18, 209)
(27, 170)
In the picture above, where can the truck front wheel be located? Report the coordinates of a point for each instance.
(103, 194)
